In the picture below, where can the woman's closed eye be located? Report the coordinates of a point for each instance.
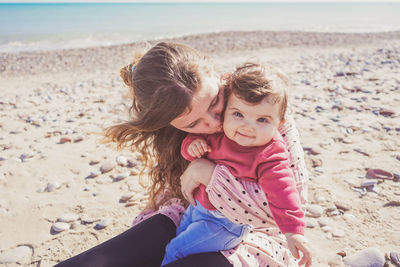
(214, 102)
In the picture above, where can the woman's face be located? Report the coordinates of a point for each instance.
(205, 115)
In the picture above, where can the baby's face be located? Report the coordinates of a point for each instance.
(250, 124)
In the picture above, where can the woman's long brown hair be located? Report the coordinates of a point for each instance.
(162, 83)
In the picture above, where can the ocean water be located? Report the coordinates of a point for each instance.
(25, 27)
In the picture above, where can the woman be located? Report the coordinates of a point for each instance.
(175, 91)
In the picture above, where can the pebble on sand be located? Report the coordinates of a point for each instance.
(378, 174)
(64, 140)
(342, 206)
(15, 255)
(369, 257)
(60, 226)
(94, 174)
(122, 161)
(314, 211)
(52, 186)
(126, 197)
(68, 217)
(106, 167)
(103, 224)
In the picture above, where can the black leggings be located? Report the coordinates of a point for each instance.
(142, 245)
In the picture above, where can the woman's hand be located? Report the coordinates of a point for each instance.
(198, 172)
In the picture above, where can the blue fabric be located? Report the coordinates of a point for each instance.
(202, 230)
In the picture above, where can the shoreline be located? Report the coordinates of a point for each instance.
(33, 62)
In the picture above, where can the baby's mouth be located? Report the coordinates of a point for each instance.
(245, 135)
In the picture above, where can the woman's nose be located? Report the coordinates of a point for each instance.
(213, 120)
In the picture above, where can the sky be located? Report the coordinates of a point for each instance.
(190, 1)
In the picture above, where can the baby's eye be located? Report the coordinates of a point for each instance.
(237, 114)
(263, 120)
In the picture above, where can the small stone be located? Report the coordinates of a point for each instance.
(312, 151)
(338, 233)
(324, 222)
(94, 174)
(316, 162)
(25, 157)
(103, 224)
(369, 183)
(342, 206)
(311, 223)
(362, 191)
(131, 163)
(52, 186)
(122, 161)
(60, 226)
(319, 169)
(126, 197)
(106, 167)
(347, 141)
(386, 112)
(78, 139)
(94, 162)
(15, 255)
(75, 225)
(359, 150)
(331, 208)
(326, 229)
(349, 217)
(334, 213)
(122, 176)
(65, 140)
(378, 174)
(87, 219)
(69, 217)
(369, 257)
(320, 199)
(314, 211)
(336, 261)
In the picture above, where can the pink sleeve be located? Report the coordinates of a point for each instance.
(277, 181)
(185, 145)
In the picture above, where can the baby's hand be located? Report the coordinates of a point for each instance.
(198, 148)
(298, 242)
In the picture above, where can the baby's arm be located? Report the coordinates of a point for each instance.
(194, 146)
(296, 243)
(277, 181)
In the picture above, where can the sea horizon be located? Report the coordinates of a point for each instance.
(49, 26)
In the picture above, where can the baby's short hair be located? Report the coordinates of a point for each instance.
(253, 82)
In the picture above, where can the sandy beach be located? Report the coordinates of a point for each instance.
(54, 106)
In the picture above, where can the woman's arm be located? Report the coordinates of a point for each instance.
(198, 172)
